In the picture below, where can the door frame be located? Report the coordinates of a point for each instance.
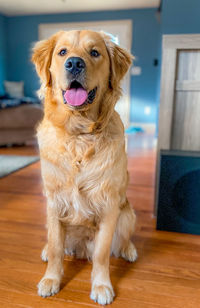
(171, 44)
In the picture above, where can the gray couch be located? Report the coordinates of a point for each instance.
(17, 124)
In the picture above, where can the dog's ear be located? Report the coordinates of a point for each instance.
(42, 54)
(120, 61)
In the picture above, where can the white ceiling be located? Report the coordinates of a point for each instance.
(31, 7)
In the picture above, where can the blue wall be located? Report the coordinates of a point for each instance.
(181, 16)
(23, 31)
(2, 53)
(178, 16)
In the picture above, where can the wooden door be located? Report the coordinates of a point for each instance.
(179, 121)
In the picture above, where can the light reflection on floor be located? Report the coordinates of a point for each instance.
(142, 142)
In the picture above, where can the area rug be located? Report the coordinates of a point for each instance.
(12, 163)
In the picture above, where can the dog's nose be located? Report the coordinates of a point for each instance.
(75, 65)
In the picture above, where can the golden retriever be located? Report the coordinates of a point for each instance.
(83, 159)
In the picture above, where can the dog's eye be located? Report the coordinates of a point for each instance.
(62, 52)
(94, 53)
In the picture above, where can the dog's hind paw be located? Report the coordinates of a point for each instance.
(44, 254)
(129, 253)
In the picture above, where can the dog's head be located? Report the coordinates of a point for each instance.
(80, 66)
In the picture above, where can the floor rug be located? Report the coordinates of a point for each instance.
(12, 163)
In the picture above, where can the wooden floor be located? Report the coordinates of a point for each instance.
(166, 274)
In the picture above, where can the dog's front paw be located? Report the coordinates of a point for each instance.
(48, 287)
(102, 294)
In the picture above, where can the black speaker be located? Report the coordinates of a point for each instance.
(179, 192)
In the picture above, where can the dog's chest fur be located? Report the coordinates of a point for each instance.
(77, 172)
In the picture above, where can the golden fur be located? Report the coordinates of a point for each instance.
(83, 159)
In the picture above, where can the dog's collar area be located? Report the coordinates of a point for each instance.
(76, 96)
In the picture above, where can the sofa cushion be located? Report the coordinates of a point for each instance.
(9, 102)
(6, 102)
(23, 116)
(14, 89)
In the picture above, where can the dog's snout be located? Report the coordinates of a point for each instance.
(75, 65)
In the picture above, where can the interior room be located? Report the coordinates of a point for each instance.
(159, 108)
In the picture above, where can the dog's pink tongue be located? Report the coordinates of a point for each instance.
(76, 97)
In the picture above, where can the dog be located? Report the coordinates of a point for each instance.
(83, 158)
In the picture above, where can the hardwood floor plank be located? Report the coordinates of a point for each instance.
(166, 274)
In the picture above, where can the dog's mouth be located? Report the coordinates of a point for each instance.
(77, 96)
